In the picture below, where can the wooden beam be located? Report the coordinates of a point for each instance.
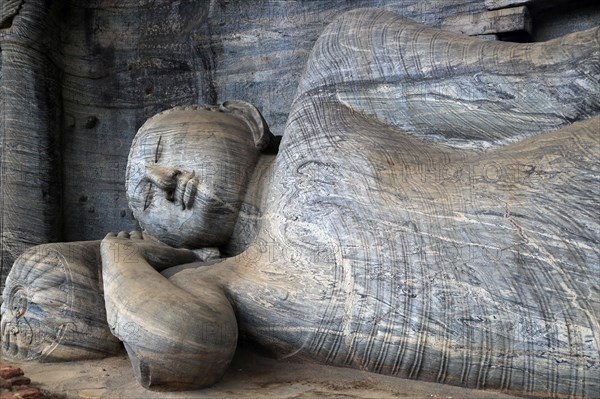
(490, 22)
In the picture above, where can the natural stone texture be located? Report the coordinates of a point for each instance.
(557, 21)
(206, 342)
(459, 279)
(490, 22)
(175, 339)
(117, 64)
(122, 63)
(101, 68)
(487, 37)
(238, 136)
(8, 10)
(30, 201)
(250, 376)
(386, 240)
(53, 308)
(495, 4)
(430, 215)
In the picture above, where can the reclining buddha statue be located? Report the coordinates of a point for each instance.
(430, 213)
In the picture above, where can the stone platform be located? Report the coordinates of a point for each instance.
(251, 375)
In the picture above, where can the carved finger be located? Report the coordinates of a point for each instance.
(147, 236)
(136, 235)
(123, 234)
(111, 235)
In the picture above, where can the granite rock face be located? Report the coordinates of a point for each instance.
(422, 256)
(429, 215)
(78, 78)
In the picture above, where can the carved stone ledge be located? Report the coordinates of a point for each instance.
(490, 22)
(496, 4)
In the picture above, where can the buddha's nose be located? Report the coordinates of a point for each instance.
(163, 177)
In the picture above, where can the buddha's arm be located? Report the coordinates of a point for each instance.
(175, 340)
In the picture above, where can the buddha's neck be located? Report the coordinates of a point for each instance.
(253, 207)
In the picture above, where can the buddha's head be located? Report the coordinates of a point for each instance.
(188, 169)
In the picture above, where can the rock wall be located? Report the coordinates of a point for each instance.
(30, 200)
(123, 64)
(103, 67)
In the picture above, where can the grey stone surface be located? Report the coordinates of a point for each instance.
(250, 376)
(30, 201)
(490, 22)
(550, 23)
(56, 302)
(103, 67)
(429, 215)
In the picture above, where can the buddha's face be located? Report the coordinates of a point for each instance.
(186, 176)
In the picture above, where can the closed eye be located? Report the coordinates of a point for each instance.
(157, 148)
(148, 198)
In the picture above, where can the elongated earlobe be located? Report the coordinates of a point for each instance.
(264, 140)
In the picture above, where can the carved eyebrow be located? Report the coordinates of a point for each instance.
(156, 152)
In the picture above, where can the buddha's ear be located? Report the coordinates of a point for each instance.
(264, 140)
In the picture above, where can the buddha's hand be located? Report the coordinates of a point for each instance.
(134, 246)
